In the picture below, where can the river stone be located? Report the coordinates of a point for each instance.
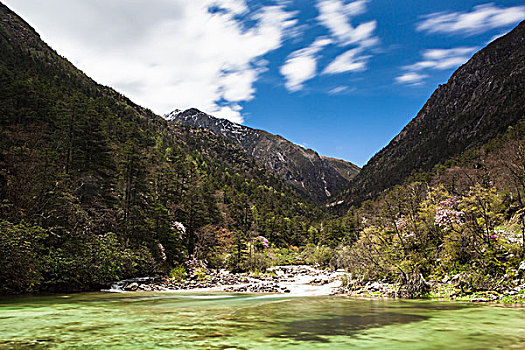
(480, 300)
(132, 286)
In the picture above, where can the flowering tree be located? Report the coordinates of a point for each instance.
(446, 214)
(261, 243)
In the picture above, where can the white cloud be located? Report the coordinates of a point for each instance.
(165, 54)
(297, 69)
(336, 16)
(350, 61)
(340, 89)
(442, 58)
(237, 86)
(411, 78)
(435, 59)
(237, 7)
(438, 54)
(301, 65)
(231, 112)
(481, 19)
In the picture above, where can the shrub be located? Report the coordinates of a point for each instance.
(178, 273)
(92, 261)
(318, 255)
(21, 250)
(32, 260)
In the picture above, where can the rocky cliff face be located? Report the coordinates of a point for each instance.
(312, 175)
(482, 99)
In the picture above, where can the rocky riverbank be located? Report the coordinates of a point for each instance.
(450, 288)
(294, 280)
(309, 281)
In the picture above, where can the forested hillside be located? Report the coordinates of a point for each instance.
(94, 188)
(460, 227)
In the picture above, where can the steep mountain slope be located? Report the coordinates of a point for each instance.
(481, 99)
(314, 176)
(94, 188)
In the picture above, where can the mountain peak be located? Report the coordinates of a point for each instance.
(314, 176)
(172, 115)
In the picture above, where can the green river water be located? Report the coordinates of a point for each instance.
(226, 321)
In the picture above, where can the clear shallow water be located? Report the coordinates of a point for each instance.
(222, 321)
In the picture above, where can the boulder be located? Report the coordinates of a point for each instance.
(133, 286)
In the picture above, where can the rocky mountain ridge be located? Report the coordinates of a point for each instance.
(314, 176)
(481, 100)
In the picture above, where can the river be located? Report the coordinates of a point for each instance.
(247, 321)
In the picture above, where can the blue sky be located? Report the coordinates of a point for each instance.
(340, 77)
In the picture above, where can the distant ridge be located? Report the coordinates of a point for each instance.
(314, 176)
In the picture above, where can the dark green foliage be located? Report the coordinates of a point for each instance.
(21, 257)
(34, 259)
(96, 186)
(101, 260)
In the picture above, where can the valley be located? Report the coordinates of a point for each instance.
(123, 228)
